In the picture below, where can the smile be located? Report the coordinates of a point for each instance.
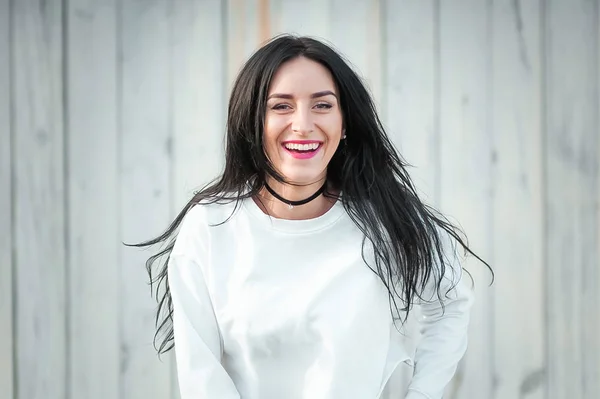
(302, 149)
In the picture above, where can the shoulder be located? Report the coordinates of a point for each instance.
(213, 213)
(195, 228)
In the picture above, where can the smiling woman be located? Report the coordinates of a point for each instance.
(286, 276)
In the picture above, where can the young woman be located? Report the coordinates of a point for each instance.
(286, 276)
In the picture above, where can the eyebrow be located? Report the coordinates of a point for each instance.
(314, 95)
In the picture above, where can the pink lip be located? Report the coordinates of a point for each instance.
(302, 155)
(301, 141)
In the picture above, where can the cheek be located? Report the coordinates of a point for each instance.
(332, 125)
(334, 135)
(270, 136)
(333, 146)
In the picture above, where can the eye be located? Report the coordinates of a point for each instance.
(323, 106)
(281, 107)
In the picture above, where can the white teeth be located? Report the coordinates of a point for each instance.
(302, 147)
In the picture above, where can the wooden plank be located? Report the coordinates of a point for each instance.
(6, 262)
(516, 115)
(302, 17)
(93, 199)
(355, 29)
(199, 99)
(597, 123)
(248, 24)
(409, 112)
(341, 24)
(410, 101)
(571, 196)
(39, 200)
(465, 179)
(145, 179)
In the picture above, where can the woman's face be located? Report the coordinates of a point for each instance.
(303, 121)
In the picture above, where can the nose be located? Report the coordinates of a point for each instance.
(302, 122)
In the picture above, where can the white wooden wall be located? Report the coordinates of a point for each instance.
(112, 112)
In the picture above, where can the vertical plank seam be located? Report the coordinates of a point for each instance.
(598, 157)
(13, 198)
(542, 178)
(596, 124)
(544, 182)
(171, 12)
(383, 65)
(437, 105)
(588, 386)
(375, 70)
(119, 157)
(227, 15)
(264, 18)
(224, 65)
(275, 17)
(330, 11)
(170, 105)
(233, 47)
(489, 93)
(66, 202)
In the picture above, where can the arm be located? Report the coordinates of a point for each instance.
(444, 331)
(197, 338)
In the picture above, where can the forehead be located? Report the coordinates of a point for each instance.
(302, 76)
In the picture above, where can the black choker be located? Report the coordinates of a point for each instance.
(292, 204)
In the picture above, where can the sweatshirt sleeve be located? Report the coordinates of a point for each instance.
(196, 335)
(444, 329)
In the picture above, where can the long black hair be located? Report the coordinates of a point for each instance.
(378, 194)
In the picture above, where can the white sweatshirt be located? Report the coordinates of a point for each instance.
(266, 308)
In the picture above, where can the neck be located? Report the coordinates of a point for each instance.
(274, 207)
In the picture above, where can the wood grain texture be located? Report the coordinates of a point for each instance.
(243, 33)
(302, 17)
(199, 99)
(410, 114)
(39, 199)
(597, 123)
(93, 200)
(410, 101)
(571, 146)
(6, 264)
(465, 179)
(497, 109)
(145, 185)
(516, 126)
(356, 30)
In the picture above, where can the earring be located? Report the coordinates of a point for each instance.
(343, 134)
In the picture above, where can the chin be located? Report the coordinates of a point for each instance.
(302, 177)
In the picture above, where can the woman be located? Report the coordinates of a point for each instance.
(286, 276)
